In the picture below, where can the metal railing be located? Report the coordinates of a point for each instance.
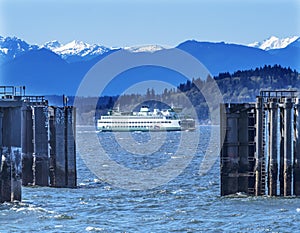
(18, 93)
(280, 95)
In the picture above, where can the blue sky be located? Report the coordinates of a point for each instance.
(137, 22)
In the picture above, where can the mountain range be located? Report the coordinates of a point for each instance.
(274, 43)
(55, 68)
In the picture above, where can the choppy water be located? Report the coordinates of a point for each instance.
(188, 203)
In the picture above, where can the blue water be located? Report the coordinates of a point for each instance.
(188, 203)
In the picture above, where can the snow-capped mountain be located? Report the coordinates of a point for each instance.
(145, 48)
(52, 45)
(34, 66)
(74, 51)
(12, 47)
(75, 48)
(274, 43)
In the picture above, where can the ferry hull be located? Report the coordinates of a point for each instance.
(144, 120)
(140, 129)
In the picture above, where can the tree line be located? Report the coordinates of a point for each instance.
(237, 87)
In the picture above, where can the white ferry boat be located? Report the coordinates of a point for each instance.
(144, 120)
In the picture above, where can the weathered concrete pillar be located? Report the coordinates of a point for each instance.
(223, 153)
(243, 154)
(52, 145)
(7, 128)
(251, 151)
(281, 154)
(11, 175)
(287, 147)
(1, 127)
(6, 158)
(5, 174)
(57, 145)
(229, 154)
(273, 164)
(297, 149)
(41, 147)
(63, 149)
(259, 156)
(16, 174)
(70, 122)
(27, 145)
(1, 137)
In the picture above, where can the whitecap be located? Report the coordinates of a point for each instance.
(94, 229)
(177, 191)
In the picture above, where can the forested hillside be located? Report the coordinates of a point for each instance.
(237, 87)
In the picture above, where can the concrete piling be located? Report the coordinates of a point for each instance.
(5, 190)
(287, 148)
(10, 172)
(63, 150)
(278, 107)
(57, 147)
(27, 145)
(281, 152)
(237, 150)
(259, 155)
(11, 175)
(297, 149)
(273, 164)
(243, 151)
(70, 116)
(40, 146)
(229, 168)
(16, 174)
(1, 133)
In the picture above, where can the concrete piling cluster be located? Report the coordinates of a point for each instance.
(62, 147)
(37, 144)
(266, 163)
(237, 164)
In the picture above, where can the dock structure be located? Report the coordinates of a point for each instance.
(62, 147)
(27, 135)
(260, 154)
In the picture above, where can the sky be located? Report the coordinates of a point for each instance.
(119, 23)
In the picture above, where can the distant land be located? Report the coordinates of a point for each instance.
(55, 68)
(241, 86)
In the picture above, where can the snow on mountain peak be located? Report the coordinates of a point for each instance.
(12, 47)
(274, 43)
(75, 48)
(145, 48)
(52, 45)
